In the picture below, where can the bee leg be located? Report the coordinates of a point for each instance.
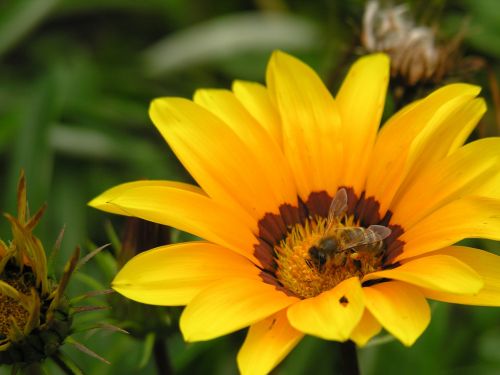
(343, 259)
(357, 264)
(310, 263)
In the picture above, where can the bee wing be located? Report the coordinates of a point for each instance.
(380, 232)
(352, 237)
(338, 207)
(355, 236)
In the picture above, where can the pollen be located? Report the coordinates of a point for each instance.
(302, 274)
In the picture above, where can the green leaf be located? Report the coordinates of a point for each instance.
(229, 36)
(19, 18)
(149, 342)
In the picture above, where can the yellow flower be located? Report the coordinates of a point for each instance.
(268, 162)
(35, 317)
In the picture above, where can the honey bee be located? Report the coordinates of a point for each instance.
(337, 240)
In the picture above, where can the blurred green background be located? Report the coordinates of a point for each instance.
(76, 79)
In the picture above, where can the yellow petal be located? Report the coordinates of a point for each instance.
(228, 305)
(101, 202)
(310, 123)
(266, 344)
(471, 170)
(487, 265)
(172, 275)
(255, 98)
(437, 272)
(446, 126)
(400, 308)
(361, 103)
(367, 328)
(267, 153)
(224, 164)
(424, 130)
(191, 212)
(471, 114)
(471, 217)
(332, 315)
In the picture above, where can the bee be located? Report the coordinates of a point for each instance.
(337, 240)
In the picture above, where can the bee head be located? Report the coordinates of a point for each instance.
(318, 256)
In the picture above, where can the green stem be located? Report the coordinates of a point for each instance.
(162, 359)
(67, 366)
(349, 358)
(33, 369)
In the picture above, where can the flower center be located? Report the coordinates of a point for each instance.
(317, 255)
(11, 310)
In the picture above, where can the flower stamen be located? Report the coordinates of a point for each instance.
(310, 259)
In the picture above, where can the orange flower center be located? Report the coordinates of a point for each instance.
(313, 258)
